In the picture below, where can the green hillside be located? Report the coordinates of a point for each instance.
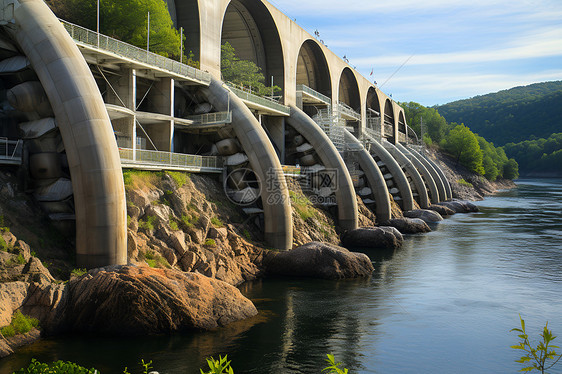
(513, 115)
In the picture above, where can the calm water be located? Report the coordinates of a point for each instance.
(443, 303)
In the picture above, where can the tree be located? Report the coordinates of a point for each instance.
(126, 20)
(463, 145)
(243, 72)
(434, 123)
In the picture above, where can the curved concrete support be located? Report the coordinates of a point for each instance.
(443, 177)
(95, 167)
(435, 196)
(374, 178)
(436, 177)
(412, 172)
(330, 157)
(397, 174)
(263, 159)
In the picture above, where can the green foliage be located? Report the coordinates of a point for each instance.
(126, 20)
(538, 155)
(220, 366)
(333, 366)
(302, 205)
(174, 225)
(243, 72)
(3, 245)
(78, 272)
(247, 235)
(18, 260)
(147, 224)
(216, 222)
(155, 260)
(434, 123)
(464, 183)
(537, 356)
(463, 145)
(512, 115)
(58, 367)
(134, 179)
(178, 177)
(189, 220)
(20, 324)
(210, 243)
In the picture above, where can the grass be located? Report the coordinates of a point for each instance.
(20, 324)
(302, 205)
(210, 243)
(155, 260)
(3, 245)
(136, 179)
(174, 225)
(464, 183)
(19, 260)
(178, 177)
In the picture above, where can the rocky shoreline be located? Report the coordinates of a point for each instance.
(188, 249)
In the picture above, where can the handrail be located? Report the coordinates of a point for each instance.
(313, 93)
(159, 158)
(347, 110)
(259, 100)
(94, 39)
(211, 118)
(10, 149)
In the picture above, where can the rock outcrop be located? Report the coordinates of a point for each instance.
(373, 237)
(442, 210)
(408, 225)
(131, 300)
(318, 260)
(459, 206)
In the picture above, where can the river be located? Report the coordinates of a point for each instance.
(443, 303)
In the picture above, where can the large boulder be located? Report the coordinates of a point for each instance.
(425, 215)
(409, 225)
(460, 206)
(442, 210)
(372, 237)
(131, 300)
(318, 260)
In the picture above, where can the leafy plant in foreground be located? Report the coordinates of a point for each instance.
(220, 366)
(334, 366)
(58, 367)
(537, 356)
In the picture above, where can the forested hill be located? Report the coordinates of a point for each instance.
(513, 115)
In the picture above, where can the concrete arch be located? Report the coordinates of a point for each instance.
(348, 90)
(312, 68)
(375, 179)
(430, 182)
(85, 127)
(373, 101)
(330, 157)
(250, 28)
(412, 172)
(402, 123)
(388, 121)
(436, 177)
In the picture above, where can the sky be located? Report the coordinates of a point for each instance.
(437, 51)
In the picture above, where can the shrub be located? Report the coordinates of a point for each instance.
(189, 220)
(20, 324)
(3, 245)
(216, 222)
(155, 260)
(78, 272)
(210, 243)
(148, 223)
(174, 225)
(58, 367)
(140, 178)
(464, 183)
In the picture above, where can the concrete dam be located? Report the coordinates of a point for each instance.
(78, 106)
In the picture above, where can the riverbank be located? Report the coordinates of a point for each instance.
(178, 225)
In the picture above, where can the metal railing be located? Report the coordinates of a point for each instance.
(313, 93)
(388, 129)
(259, 100)
(346, 110)
(92, 38)
(11, 150)
(211, 118)
(170, 159)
